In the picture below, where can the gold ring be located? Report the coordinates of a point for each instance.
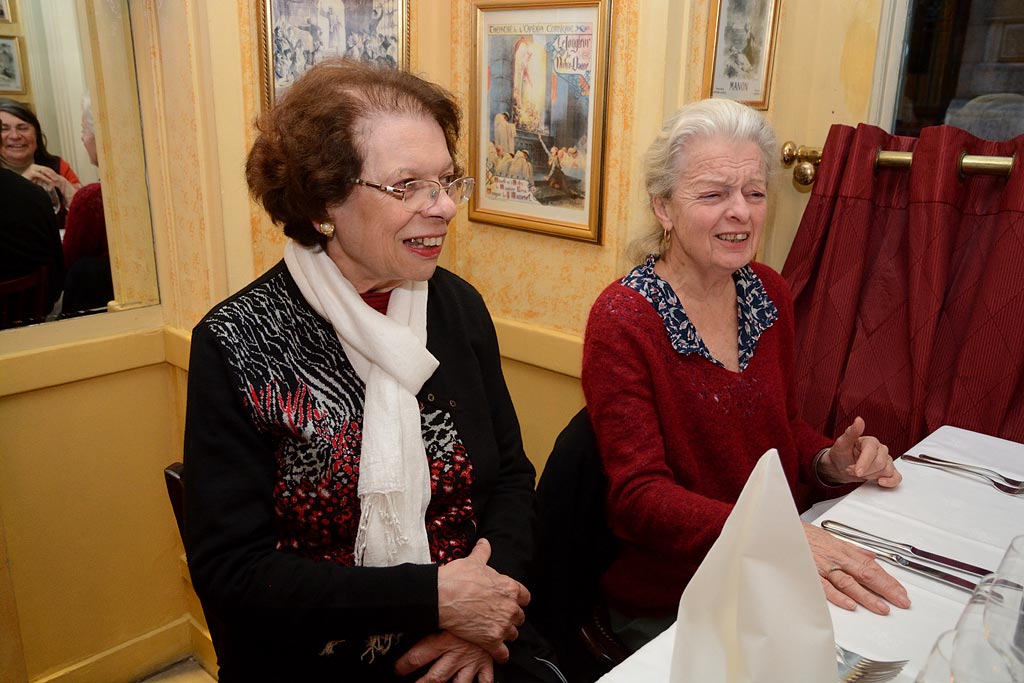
(833, 568)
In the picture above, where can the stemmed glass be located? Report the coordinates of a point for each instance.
(54, 197)
(1004, 608)
(964, 656)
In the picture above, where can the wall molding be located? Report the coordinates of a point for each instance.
(540, 346)
(133, 659)
(72, 361)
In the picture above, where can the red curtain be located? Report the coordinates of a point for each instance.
(909, 289)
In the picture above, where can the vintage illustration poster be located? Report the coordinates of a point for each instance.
(536, 117)
(743, 51)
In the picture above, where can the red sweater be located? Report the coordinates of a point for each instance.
(85, 229)
(679, 436)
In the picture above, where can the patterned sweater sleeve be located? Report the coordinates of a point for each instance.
(647, 507)
(230, 536)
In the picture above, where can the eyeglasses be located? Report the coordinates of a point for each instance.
(417, 195)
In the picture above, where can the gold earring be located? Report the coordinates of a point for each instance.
(666, 237)
(326, 229)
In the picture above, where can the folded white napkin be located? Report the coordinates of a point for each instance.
(755, 610)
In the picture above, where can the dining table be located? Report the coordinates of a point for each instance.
(950, 513)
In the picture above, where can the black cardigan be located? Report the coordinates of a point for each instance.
(268, 608)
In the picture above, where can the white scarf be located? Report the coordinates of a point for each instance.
(390, 354)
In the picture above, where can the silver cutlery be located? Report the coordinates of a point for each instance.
(984, 470)
(856, 667)
(874, 541)
(998, 484)
(900, 560)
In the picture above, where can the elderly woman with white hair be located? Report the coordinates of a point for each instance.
(687, 372)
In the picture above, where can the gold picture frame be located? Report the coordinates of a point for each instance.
(13, 79)
(741, 50)
(296, 34)
(537, 119)
(7, 10)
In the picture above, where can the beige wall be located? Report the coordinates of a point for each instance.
(91, 410)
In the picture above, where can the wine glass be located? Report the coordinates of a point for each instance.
(963, 655)
(1004, 607)
(54, 196)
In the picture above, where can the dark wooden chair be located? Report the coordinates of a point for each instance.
(575, 547)
(174, 477)
(23, 299)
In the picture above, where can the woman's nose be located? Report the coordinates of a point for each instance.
(738, 207)
(443, 207)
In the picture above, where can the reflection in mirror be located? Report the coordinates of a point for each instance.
(80, 241)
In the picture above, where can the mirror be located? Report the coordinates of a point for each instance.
(67, 50)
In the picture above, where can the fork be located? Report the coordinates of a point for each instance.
(856, 667)
(967, 469)
(992, 473)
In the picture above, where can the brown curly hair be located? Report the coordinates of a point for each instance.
(309, 148)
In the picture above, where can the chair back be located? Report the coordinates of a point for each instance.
(575, 547)
(174, 477)
(23, 299)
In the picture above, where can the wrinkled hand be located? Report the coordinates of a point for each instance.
(48, 178)
(851, 575)
(476, 603)
(454, 660)
(855, 457)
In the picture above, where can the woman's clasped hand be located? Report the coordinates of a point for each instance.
(480, 605)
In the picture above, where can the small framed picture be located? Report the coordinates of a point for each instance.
(296, 34)
(7, 11)
(741, 48)
(12, 66)
(537, 121)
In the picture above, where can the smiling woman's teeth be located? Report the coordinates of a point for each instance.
(741, 237)
(425, 242)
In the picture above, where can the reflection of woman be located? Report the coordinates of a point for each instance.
(687, 372)
(23, 150)
(88, 285)
(358, 504)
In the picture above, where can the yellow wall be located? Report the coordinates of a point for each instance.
(91, 409)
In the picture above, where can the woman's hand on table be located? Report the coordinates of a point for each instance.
(477, 604)
(453, 659)
(851, 576)
(855, 457)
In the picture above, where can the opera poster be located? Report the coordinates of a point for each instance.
(741, 41)
(537, 117)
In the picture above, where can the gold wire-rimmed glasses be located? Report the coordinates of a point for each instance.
(417, 195)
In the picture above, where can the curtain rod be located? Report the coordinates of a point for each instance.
(808, 158)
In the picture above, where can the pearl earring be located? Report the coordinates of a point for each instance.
(326, 229)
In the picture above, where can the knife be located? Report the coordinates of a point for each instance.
(873, 541)
(926, 570)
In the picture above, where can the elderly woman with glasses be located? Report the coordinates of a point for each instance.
(687, 372)
(358, 504)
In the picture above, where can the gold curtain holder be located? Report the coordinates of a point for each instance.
(807, 160)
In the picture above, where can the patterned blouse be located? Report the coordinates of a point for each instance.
(756, 310)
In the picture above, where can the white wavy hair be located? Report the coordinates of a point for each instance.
(701, 120)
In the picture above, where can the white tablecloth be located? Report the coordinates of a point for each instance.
(955, 515)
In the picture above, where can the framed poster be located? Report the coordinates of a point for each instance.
(741, 49)
(536, 126)
(7, 11)
(12, 66)
(296, 34)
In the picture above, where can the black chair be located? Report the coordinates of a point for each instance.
(575, 547)
(23, 299)
(174, 477)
